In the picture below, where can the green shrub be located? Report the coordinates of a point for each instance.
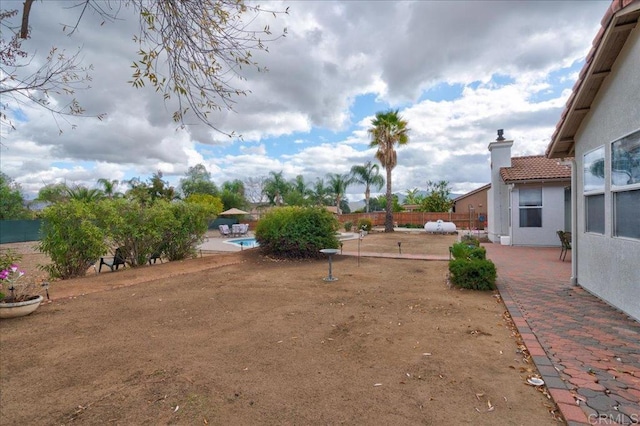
(365, 223)
(463, 250)
(297, 232)
(473, 274)
(185, 231)
(72, 237)
(348, 225)
(470, 240)
(138, 228)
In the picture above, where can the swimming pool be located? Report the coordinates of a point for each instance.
(244, 242)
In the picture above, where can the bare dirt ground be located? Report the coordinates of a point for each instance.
(237, 338)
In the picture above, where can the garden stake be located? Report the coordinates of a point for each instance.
(399, 247)
(46, 289)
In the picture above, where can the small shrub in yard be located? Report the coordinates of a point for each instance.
(348, 225)
(475, 274)
(297, 232)
(470, 240)
(365, 223)
(463, 250)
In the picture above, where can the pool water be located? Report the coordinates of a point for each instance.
(244, 242)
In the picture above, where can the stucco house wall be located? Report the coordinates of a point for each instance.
(553, 217)
(609, 266)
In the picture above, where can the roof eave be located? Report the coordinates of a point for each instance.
(606, 48)
(546, 180)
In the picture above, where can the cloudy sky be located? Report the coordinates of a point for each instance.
(456, 70)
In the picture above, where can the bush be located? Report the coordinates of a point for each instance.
(365, 223)
(470, 240)
(348, 225)
(185, 231)
(138, 228)
(463, 250)
(72, 237)
(473, 274)
(297, 232)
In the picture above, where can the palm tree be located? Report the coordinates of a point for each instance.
(109, 187)
(82, 193)
(388, 129)
(368, 175)
(275, 187)
(319, 194)
(413, 196)
(338, 184)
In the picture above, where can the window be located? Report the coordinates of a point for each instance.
(593, 172)
(594, 220)
(530, 207)
(625, 160)
(627, 214)
(625, 185)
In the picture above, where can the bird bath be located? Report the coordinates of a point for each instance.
(330, 252)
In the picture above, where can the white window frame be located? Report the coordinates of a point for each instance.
(532, 207)
(588, 158)
(621, 188)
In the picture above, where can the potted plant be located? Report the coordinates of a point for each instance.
(17, 297)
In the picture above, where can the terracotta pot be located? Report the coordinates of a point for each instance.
(19, 309)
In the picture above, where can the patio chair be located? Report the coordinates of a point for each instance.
(244, 229)
(565, 243)
(236, 230)
(156, 255)
(224, 230)
(115, 261)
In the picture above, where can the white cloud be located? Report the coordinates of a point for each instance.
(303, 116)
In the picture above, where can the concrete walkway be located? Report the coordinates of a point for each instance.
(587, 352)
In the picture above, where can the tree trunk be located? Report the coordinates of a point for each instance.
(367, 195)
(388, 219)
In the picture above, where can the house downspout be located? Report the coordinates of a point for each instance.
(574, 223)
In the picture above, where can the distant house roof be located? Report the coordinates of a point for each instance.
(615, 29)
(535, 168)
(332, 209)
(475, 191)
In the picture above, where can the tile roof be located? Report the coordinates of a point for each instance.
(535, 168)
(616, 25)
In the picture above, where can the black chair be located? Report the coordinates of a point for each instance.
(565, 241)
(115, 261)
(155, 256)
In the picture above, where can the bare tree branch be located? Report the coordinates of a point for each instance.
(190, 50)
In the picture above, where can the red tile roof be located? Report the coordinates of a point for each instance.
(535, 168)
(617, 24)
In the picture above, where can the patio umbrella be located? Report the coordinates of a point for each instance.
(233, 211)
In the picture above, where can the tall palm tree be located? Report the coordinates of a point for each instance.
(109, 187)
(388, 130)
(338, 184)
(368, 175)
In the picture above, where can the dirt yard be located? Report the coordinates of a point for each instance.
(237, 338)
